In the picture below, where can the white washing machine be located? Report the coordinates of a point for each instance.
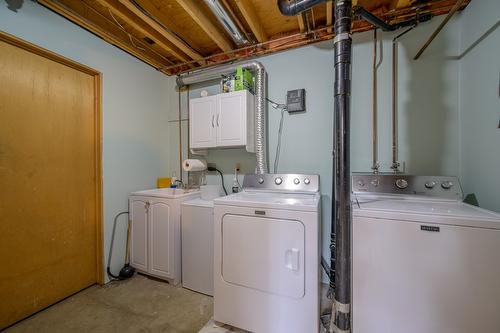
(423, 261)
(267, 255)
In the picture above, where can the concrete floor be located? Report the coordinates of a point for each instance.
(140, 304)
(136, 305)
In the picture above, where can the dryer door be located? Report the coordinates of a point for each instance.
(265, 254)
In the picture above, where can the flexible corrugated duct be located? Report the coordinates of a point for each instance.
(259, 71)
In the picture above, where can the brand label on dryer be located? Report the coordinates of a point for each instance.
(429, 228)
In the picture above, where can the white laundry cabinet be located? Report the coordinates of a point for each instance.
(155, 240)
(222, 121)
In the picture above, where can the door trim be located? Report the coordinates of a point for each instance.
(32, 48)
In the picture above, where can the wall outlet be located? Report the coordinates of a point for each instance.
(211, 165)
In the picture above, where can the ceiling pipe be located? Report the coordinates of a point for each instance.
(227, 22)
(295, 7)
(217, 73)
(384, 26)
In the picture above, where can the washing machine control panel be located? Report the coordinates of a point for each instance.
(282, 182)
(433, 186)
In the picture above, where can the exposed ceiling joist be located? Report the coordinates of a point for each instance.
(107, 36)
(395, 4)
(329, 15)
(248, 11)
(162, 31)
(130, 19)
(194, 10)
(301, 21)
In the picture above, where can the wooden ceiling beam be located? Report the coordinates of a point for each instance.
(300, 20)
(97, 30)
(397, 4)
(200, 17)
(131, 20)
(329, 15)
(179, 43)
(248, 11)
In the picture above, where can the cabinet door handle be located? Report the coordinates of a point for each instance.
(217, 120)
(213, 121)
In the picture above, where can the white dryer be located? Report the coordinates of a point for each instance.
(267, 255)
(423, 261)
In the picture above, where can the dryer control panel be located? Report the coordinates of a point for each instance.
(282, 182)
(432, 186)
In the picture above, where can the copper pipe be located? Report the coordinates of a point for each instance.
(455, 8)
(375, 164)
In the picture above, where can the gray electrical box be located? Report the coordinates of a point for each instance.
(296, 100)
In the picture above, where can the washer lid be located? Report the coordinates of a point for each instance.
(433, 211)
(288, 201)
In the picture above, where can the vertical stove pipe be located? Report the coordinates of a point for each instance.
(342, 214)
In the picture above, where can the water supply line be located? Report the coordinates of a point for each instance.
(395, 163)
(375, 65)
(215, 73)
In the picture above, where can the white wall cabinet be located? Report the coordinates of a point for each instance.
(222, 121)
(155, 240)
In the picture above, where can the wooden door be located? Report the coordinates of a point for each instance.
(161, 239)
(139, 207)
(231, 119)
(202, 122)
(50, 178)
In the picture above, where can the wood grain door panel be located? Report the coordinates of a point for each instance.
(50, 179)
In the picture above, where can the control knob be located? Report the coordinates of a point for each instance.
(296, 181)
(261, 180)
(278, 180)
(401, 183)
(307, 181)
(430, 185)
(447, 185)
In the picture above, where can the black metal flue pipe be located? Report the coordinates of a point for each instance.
(295, 7)
(341, 208)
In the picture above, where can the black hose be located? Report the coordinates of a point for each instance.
(221, 176)
(108, 269)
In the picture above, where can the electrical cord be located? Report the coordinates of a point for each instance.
(221, 176)
(278, 145)
(283, 108)
(108, 269)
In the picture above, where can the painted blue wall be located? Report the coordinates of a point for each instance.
(480, 103)
(428, 106)
(135, 139)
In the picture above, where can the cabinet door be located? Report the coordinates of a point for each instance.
(231, 119)
(160, 239)
(202, 122)
(139, 234)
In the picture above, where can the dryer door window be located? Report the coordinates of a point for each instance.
(264, 254)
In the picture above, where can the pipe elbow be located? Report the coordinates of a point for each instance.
(288, 7)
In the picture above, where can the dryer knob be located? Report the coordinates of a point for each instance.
(307, 181)
(296, 181)
(261, 180)
(430, 185)
(278, 181)
(447, 185)
(401, 183)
